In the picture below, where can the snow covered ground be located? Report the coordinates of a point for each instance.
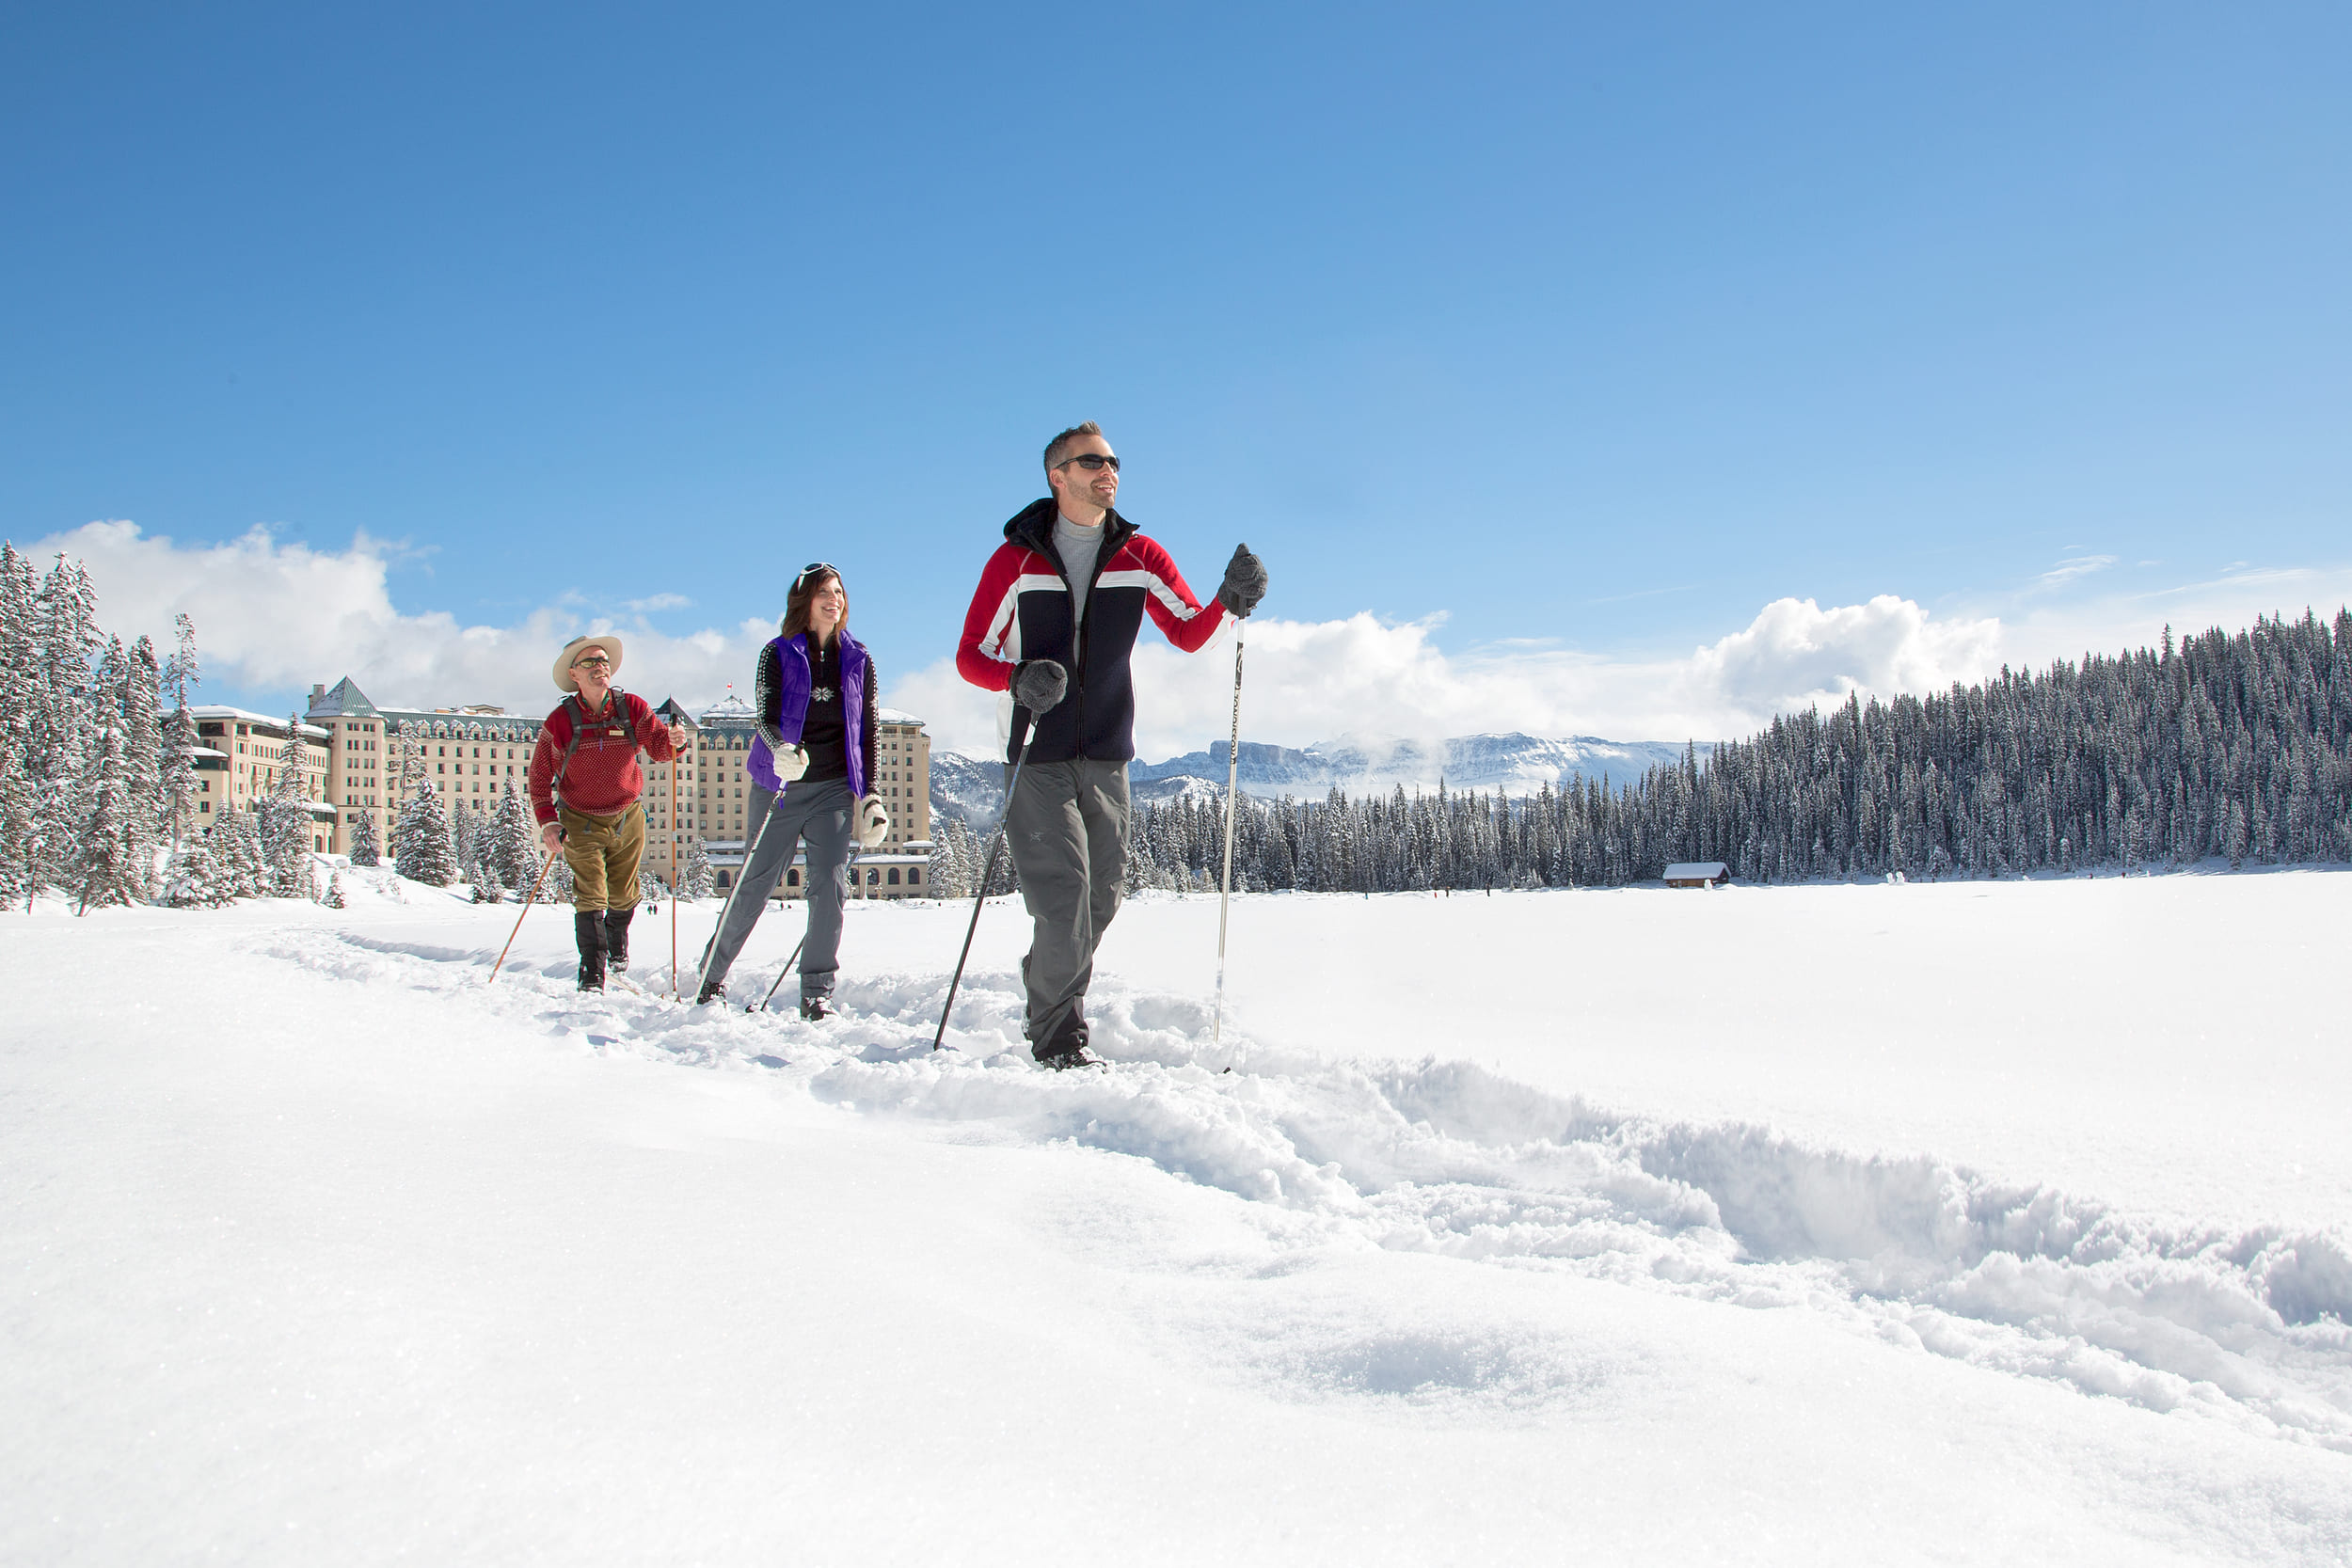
(1962, 1222)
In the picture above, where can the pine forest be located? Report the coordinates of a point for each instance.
(2227, 745)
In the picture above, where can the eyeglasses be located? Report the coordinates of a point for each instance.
(816, 569)
(1092, 462)
(589, 660)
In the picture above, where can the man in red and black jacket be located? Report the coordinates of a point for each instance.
(1054, 624)
(584, 786)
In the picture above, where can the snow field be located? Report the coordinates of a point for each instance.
(565, 1280)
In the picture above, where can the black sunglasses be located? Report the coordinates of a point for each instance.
(1091, 462)
(817, 569)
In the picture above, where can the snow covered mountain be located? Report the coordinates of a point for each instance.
(1516, 764)
(970, 789)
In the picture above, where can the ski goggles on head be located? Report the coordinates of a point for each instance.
(816, 569)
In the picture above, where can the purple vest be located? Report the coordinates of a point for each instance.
(792, 708)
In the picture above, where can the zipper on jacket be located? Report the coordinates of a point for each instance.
(1078, 637)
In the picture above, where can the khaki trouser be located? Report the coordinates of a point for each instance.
(603, 853)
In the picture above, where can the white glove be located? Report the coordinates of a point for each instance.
(873, 823)
(790, 763)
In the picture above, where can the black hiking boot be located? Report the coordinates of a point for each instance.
(817, 1007)
(1066, 1047)
(616, 939)
(713, 990)
(588, 926)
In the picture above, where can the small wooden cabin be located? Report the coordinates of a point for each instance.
(1698, 874)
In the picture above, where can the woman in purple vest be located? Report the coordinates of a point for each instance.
(811, 767)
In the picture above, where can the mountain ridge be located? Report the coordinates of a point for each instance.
(972, 788)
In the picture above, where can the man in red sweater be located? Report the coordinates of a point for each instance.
(585, 785)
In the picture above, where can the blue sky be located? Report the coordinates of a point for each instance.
(1527, 344)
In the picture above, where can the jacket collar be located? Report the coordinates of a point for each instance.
(1033, 527)
(799, 644)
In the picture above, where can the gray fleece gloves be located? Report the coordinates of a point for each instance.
(1037, 685)
(1244, 582)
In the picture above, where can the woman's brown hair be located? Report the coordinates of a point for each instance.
(804, 590)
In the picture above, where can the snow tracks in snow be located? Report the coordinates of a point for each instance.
(1446, 1158)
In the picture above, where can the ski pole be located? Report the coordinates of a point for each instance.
(1225, 892)
(544, 867)
(702, 970)
(673, 920)
(762, 1005)
(979, 897)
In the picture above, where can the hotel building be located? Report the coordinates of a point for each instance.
(240, 756)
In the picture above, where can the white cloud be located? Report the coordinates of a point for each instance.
(272, 614)
(2072, 568)
(2232, 600)
(1316, 681)
(277, 615)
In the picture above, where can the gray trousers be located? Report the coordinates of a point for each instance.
(1067, 827)
(821, 814)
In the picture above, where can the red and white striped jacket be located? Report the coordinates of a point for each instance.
(1022, 611)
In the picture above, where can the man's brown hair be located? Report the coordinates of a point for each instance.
(1057, 449)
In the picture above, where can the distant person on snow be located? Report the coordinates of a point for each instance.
(584, 784)
(812, 768)
(1054, 623)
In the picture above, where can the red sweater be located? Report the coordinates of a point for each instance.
(603, 777)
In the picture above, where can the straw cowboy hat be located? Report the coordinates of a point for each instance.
(572, 650)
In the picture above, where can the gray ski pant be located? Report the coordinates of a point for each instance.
(821, 813)
(1067, 828)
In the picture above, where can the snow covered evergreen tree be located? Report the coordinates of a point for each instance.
(946, 873)
(236, 842)
(466, 834)
(283, 820)
(422, 850)
(22, 848)
(410, 744)
(143, 756)
(105, 866)
(176, 779)
(333, 897)
(365, 847)
(68, 639)
(696, 874)
(195, 878)
(510, 843)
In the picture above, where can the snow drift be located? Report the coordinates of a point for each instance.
(2248, 1326)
